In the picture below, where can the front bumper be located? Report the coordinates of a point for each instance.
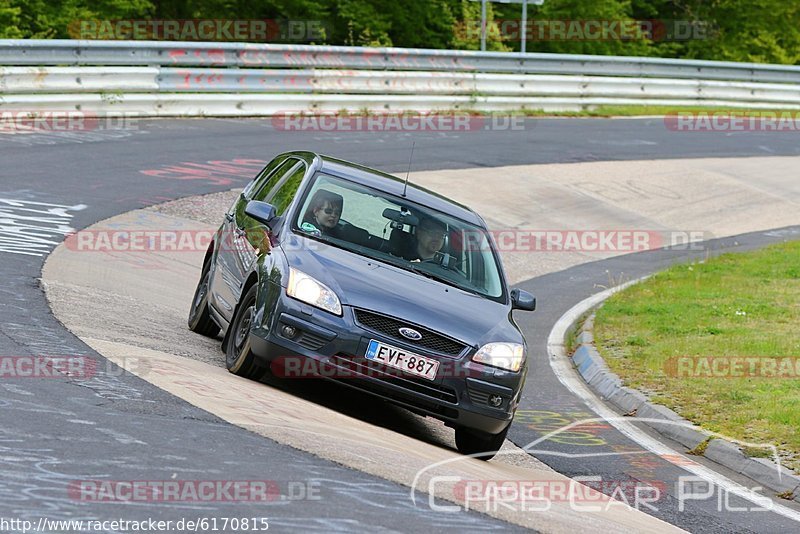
(331, 347)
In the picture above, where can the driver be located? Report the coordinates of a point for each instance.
(430, 237)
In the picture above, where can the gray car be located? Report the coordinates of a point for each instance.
(327, 268)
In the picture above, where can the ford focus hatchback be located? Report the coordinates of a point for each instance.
(329, 269)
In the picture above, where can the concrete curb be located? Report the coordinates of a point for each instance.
(591, 366)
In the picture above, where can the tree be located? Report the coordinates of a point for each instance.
(580, 37)
(467, 31)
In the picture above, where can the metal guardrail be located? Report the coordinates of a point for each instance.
(167, 78)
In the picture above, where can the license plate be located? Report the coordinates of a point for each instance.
(400, 359)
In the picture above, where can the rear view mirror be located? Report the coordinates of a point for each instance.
(522, 300)
(260, 211)
(400, 217)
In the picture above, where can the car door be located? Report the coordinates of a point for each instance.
(227, 280)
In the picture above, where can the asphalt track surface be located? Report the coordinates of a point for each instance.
(56, 431)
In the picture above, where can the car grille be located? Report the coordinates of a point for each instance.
(392, 376)
(389, 326)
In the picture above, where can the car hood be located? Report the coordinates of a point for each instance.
(361, 282)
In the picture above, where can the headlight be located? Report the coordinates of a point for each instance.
(303, 287)
(507, 356)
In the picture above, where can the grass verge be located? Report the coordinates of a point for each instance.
(680, 335)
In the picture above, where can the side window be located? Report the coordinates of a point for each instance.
(262, 176)
(264, 187)
(287, 189)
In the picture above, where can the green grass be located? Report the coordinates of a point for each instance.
(742, 305)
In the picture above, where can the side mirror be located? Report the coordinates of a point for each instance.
(522, 300)
(260, 211)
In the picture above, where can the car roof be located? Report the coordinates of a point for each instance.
(392, 184)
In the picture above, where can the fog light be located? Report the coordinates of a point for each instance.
(495, 400)
(288, 331)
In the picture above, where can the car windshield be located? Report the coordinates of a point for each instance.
(392, 230)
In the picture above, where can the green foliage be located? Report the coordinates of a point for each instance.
(589, 10)
(467, 28)
(49, 19)
(735, 30)
(9, 20)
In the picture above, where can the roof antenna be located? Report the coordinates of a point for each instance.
(405, 185)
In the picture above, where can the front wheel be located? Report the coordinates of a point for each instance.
(200, 320)
(479, 444)
(239, 358)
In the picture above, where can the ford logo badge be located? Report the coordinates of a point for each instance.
(410, 333)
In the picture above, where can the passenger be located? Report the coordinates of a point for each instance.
(323, 213)
(430, 237)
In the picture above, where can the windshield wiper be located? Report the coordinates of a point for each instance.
(444, 279)
(429, 274)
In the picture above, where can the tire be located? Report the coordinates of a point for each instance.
(479, 444)
(239, 358)
(200, 320)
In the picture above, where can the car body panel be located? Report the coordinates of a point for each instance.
(246, 251)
